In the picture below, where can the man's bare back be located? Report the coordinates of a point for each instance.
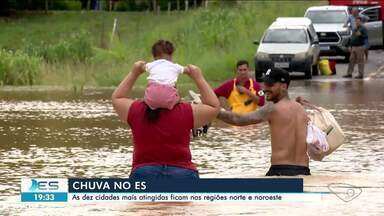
(288, 127)
(287, 123)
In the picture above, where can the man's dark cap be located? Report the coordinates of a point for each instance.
(275, 75)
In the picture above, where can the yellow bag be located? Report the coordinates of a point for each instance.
(324, 67)
(324, 120)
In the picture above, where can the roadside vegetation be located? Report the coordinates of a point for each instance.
(78, 48)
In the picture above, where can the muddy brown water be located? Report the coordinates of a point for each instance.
(49, 132)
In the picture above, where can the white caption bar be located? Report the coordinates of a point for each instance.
(194, 197)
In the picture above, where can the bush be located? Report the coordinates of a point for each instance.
(17, 68)
(66, 5)
(122, 6)
(77, 48)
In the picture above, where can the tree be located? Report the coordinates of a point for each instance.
(4, 8)
(46, 6)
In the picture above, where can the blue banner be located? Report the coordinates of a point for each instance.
(255, 185)
(44, 197)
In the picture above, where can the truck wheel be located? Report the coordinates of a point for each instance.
(308, 73)
(346, 58)
(315, 70)
(259, 75)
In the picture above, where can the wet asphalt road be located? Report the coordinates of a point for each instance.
(374, 68)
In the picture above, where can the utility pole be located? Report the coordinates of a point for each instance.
(154, 6)
(186, 5)
(88, 5)
(46, 6)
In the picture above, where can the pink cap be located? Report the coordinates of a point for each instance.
(161, 96)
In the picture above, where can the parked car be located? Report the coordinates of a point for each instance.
(374, 9)
(329, 23)
(289, 43)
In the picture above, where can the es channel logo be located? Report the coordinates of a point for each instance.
(44, 190)
(44, 185)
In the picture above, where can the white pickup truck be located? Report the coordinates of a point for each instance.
(374, 25)
(329, 23)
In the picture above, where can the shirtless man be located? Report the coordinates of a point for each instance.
(287, 121)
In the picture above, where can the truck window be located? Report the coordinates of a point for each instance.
(327, 16)
(373, 14)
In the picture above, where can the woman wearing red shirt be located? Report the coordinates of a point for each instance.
(161, 137)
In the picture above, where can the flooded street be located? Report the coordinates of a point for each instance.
(49, 132)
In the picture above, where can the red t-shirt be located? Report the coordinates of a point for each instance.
(164, 141)
(225, 89)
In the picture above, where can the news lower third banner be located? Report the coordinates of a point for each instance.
(130, 190)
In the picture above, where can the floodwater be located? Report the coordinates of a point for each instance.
(49, 132)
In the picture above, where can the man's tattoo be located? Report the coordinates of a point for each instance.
(226, 116)
(263, 113)
(258, 116)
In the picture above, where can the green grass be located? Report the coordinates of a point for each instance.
(74, 48)
(18, 68)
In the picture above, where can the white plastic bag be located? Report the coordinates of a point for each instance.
(316, 142)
